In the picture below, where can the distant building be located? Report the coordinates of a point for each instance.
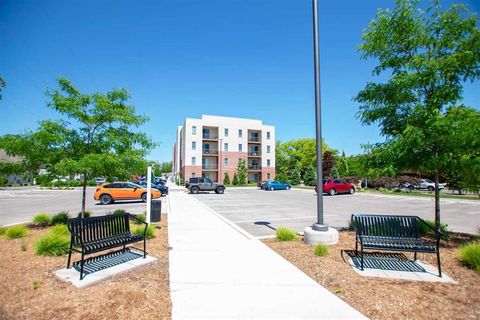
(213, 145)
(13, 178)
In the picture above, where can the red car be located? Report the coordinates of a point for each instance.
(334, 186)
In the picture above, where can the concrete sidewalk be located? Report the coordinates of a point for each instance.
(218, 271)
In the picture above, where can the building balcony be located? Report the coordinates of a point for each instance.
(210, 136)
(252, 153)
(255, 140)
(210, 166)
(254, 167)
(210, 152)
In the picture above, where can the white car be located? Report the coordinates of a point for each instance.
(429, 185)
(100, 180)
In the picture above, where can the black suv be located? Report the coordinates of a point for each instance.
(204, 184)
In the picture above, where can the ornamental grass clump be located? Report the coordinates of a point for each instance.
(425, 230)
(42, 219)
(321, 250)
(469, 255)
(60, 218)
(119, 211)
(60, 229)
(284, 234)
(150, 231)
(3, 230)
(52, 244)
(16, 232)
(142, 217)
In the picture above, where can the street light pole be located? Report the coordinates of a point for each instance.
(319, 226)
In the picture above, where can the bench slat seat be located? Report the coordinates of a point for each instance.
(393, 233)
(95, 234)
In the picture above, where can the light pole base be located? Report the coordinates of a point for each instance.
(327, 237)
(319, 227)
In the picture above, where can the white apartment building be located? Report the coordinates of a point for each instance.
(213, 145)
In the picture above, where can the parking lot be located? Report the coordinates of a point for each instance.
(21, 204)
(261, 212)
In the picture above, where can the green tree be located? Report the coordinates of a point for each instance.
(310, 177)
(242, 172)
(426, 56)
(295, 175)
(226, 179)
(343, 167)
(235, 179)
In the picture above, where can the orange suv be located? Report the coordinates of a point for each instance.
(110, 192)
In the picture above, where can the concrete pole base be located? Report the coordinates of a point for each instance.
(328, 237)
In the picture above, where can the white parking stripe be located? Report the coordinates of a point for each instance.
(282, 219)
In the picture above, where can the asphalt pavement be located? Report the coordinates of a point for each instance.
(260, 212)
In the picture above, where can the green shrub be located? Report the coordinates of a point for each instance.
(150, 231)
(23, 246)
(424, 230)
(42, 219)
(3, 230)
(60, 229)
(52, 244)
(142, 217)
(60, 218)
(321, 250)
(469, 255)
(119, 211)
(16, 232)
(284, 234)
(87, 214)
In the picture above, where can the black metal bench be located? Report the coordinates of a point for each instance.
(95, 234)
(393, 233)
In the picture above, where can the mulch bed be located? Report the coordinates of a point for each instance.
(391, 299)
(29, 289)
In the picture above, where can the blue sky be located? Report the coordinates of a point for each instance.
(185, 58)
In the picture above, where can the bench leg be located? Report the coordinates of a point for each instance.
(361, 259)
(356, 248)
(439, 265)
(415, 256)
(144, 248)
(81, 268)
(69, 254)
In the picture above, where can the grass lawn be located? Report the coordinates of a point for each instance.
(379, 298)
(29, 289)
(424, 194)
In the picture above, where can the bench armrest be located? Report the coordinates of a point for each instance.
(438, 234)
(131, 216)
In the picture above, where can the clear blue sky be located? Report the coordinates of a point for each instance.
(184, 58)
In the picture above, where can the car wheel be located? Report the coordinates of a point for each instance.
(332, 192)
(430, 188)
(106, 199)
(272, 188)
(219, 190)
(287, 188)
(352, 190)
(144, 197)
(194, 190)
(410, 188)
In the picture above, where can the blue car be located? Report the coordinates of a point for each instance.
(276, 185)
(163, 189)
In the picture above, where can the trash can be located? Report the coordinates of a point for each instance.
(155, 210)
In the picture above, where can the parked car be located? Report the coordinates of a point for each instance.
(334, 186)
(429, 185)
(276, 185)
(160, 180)
(163, 189)
(204, 184)
(110, 192)
(100, 180)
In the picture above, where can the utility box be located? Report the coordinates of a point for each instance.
(155, 210)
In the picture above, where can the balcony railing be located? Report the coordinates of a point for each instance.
(210, 151)
(254, 153)
(210, 136)
(254, 166)
(209, 166)
(254, 139)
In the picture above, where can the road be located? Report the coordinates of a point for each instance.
(21, 204)
(261, 212)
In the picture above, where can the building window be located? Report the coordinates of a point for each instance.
(194, 161)
(268, 135)
(268, 149)
(225, 147)
(194, 130)
(268, 176)
(194, 145)
(240, 147)
(225, 162)
(268, 162)
(226, 132)
(240, 133)
(193, 174)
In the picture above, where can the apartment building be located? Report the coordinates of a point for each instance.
(213, 145)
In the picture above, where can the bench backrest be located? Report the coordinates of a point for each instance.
(386, 225)
(98, 228)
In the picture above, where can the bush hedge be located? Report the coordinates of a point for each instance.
(16, 232)
(469, 255)
(60, 218)
(284, 234)
(87, 214)
(42, 219)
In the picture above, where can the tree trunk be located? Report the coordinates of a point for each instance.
(84, 191)
(437, 202)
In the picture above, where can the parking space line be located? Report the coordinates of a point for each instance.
(282, 219)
